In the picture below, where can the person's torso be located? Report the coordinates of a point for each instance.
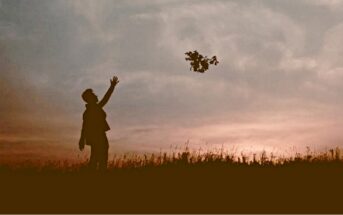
(94, 119)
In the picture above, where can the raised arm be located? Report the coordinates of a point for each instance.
(109, 92)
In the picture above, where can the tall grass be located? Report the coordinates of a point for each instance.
(185, 158)
(178, 182)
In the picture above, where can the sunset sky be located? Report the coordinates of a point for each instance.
(278, 86)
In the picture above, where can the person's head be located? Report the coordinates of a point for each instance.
(89, 97)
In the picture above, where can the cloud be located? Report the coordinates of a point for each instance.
(331, 4)
(276, 58)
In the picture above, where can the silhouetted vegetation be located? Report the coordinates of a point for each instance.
(199, 63)
(178, 182)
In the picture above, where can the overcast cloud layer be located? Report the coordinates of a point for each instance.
(278, 84)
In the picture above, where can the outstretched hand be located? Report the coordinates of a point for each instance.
(114, 81)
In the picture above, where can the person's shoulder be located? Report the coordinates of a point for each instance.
(98, 106)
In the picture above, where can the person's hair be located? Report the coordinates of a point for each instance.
(86, 95)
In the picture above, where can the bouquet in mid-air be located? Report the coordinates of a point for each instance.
(199, 63)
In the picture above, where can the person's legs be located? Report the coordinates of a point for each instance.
(93, 160)
(103, 158)
(103, 155)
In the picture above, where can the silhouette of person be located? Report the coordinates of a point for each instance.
(94, 127)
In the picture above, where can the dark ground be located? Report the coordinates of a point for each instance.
(215, 188)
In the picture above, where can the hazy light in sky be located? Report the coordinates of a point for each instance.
(278, 84)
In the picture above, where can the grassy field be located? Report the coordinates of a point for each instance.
(182, 182)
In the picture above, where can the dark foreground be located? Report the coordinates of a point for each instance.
(207, 188)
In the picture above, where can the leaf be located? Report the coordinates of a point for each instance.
(198, 62)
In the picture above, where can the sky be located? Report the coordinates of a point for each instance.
(278, 86)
